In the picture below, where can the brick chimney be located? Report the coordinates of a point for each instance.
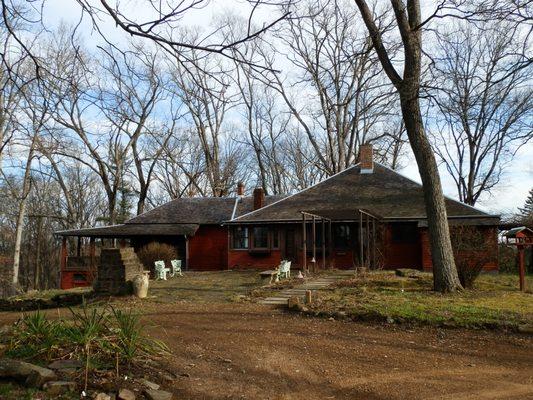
(240, 189)
(259, 198)
(366, 158)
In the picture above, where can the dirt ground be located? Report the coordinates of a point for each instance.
(246, 351)
(222, 349)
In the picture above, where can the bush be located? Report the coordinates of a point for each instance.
(154, 251)
(472, 249)
(507, 259)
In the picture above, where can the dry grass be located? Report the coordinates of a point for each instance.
(495, 301)
(205, 287)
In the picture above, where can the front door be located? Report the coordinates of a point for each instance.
(290, 245)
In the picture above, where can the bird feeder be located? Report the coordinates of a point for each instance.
(520, 237)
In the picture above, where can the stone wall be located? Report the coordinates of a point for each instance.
(116, 269)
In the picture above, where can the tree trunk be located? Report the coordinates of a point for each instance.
(445, 277)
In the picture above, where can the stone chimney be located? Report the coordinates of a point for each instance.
(259, 198)
(240, 189)
(366, 158)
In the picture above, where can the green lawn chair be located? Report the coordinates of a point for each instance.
(160, 270)
(176, 268)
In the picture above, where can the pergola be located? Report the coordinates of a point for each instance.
(367, 225)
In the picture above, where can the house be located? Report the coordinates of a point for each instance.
(367, 215)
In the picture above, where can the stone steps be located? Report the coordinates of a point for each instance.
(321, 283)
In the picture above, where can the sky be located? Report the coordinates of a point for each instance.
(511, 192)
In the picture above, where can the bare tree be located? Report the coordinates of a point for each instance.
(203, 89)
(409, 22)
(485, 104)
(343, 98)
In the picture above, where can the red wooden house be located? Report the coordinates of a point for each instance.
(367, 215)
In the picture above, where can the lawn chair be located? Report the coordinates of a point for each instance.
(160, 270)
(176, 268)
(285, 269)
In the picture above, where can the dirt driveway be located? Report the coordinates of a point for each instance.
(246, 351)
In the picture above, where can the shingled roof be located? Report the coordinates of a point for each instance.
(199, 210)
(384, 193)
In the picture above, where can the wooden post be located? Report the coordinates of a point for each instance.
(331, 247)
(92, 252)
(62, 260)
(373, 243)
(367, 261)
(323, 244)
(304, 245)
(186, 253)
(78, 249)
(522, 268)
(360, 239)
(314, 244)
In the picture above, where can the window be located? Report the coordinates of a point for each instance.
(404, 233)
(240, 237)
(342, 236)
(260, 237)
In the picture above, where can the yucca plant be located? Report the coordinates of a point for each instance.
(88, 327)
(131, 340)
(35, 335)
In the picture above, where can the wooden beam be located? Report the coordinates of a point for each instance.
(361, 261)
(323, 244)
(78, 249)
(521, 268)
(373, 243)
(314, 244)
(63, 260)
(331, 247)
(304, 245)
(187, 253)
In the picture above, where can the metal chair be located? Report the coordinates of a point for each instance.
(160, 270)
(285, 269)
(176, 268)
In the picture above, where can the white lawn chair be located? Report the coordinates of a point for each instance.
(285, 269)
(176, 268)
(160, 270)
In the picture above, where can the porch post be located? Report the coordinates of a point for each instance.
(360, 239)
(63, 258)
(331, 255)
(304, 245)
(186, 253)
(323, 244)
(92, 252)
(78, 250)
(314, 244)
(373, 243)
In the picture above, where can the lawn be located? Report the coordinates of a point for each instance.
(205, 287)
(494, 303)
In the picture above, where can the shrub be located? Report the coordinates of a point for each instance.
(507, 258)
(154, 251)
(472, 249)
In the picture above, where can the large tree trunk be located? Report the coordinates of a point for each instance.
(445, 277)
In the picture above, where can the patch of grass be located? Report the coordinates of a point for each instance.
(495, 302)
(10, 391)
(205, 287)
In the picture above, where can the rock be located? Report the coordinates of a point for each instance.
(157, 395)
(55, 388)
(102, 396)
(390, 320)
(293, 302)
(308, 297)
(65, 364)
(149, 385)
(31, 375)
(126, 394)
(526, 328)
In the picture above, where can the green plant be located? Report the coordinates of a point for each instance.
(35, 335)
(130, 336)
